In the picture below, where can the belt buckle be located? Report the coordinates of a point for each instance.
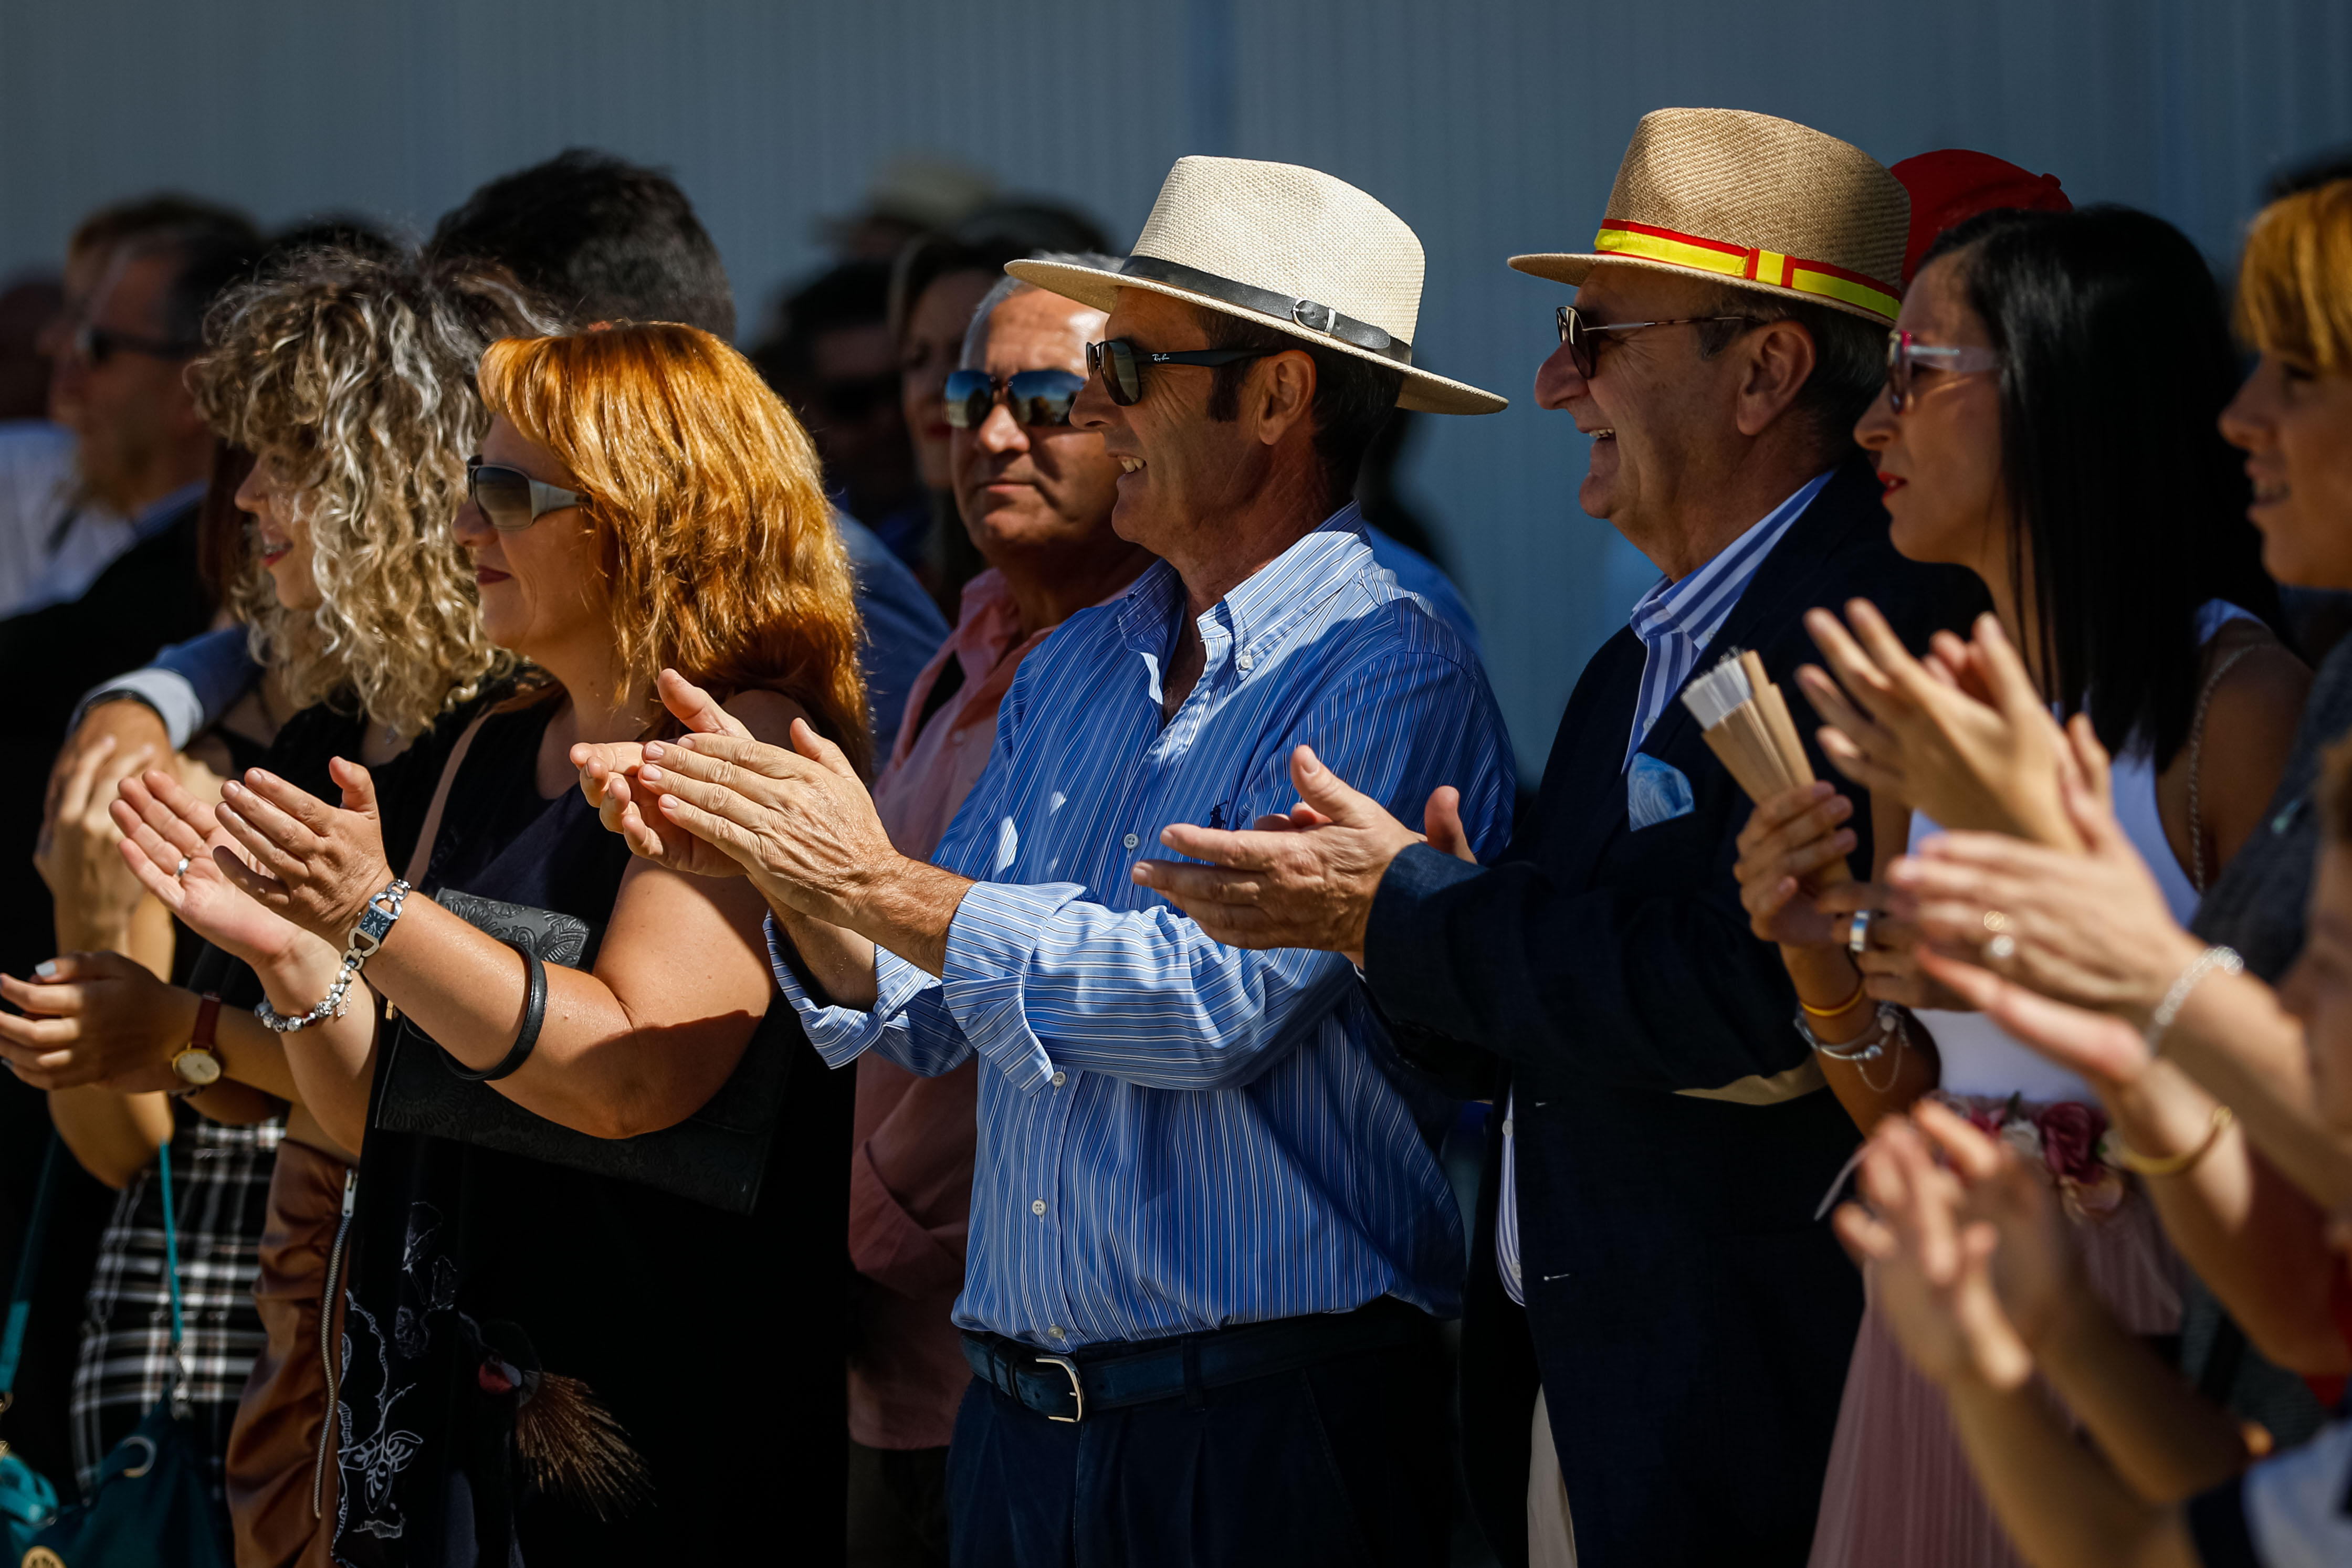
(1077, 1388)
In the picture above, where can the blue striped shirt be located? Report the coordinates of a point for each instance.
(1676, 620)
(1176, 1135)
(1678, 617)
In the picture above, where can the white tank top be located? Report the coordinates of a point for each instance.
(1979, 1057)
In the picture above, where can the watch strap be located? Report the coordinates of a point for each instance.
(207, 1021)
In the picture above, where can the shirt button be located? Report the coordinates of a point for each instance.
(1053, 1330)
(1130, 840)
(1242, 660)
(1037, 1206)
(1060, 1079)
(1506, 1127)
(1515, 1270)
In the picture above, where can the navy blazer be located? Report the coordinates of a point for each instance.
(1690, 1318)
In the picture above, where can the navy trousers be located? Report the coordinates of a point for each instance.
(1341, 1464)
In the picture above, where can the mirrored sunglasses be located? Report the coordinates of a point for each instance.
(1033, 397)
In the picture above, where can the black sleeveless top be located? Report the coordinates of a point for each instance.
(714, 1340)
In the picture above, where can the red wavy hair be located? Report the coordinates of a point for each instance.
(721, 558)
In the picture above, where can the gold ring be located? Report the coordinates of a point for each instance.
(1995, 921)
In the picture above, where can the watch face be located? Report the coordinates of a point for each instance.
(196, 1066)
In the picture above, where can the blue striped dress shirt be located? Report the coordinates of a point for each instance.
(1676, 620)
(1176, 1135)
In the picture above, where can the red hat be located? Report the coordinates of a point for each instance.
(1949, 187)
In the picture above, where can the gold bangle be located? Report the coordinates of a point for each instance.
(1846, 1006)
(2173, 1164)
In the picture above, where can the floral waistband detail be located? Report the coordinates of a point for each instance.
(2066, 1138)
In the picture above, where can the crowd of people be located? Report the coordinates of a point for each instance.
(865, 950)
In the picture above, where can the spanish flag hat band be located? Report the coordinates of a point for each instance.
(1759, 202)
(1649, 242)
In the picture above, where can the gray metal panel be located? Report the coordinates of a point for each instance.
(1491, 127)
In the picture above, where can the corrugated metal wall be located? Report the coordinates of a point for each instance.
(1490, 127)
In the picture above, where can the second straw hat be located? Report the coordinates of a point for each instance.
(1286, 247)
(1757, 202)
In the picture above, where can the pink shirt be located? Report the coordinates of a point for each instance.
(912, 1144)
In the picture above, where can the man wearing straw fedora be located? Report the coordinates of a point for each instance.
(1657, 1326)
(1209, 1238)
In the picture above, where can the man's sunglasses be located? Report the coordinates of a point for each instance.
(1120, 364)
(94, 345)
(1035, 397)
(1906, 359)
(511, 499)
(1582, 337)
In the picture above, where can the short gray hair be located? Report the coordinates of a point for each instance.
(975, 337)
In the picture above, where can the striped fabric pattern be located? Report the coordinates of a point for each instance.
(1677, 618)
(220, 1178)
(1176, 1135)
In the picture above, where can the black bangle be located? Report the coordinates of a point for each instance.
(534, 1013)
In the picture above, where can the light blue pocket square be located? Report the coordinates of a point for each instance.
(1656, 793)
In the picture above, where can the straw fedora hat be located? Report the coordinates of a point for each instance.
(1286, 247)
(1757, 202)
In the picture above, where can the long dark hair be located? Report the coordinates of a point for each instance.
(2117, 362)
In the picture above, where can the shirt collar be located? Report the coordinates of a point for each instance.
(1256, 610)
(1697, 604)
(157, 515)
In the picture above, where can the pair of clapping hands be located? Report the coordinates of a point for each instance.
(2034, 887)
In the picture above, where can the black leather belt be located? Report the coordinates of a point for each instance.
(1310, 314)
(1108, 1376)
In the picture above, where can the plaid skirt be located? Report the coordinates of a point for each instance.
(220, 1181)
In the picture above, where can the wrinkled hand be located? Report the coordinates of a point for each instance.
(799, 822)
(2093, 929)
(313, 863)
(94, 892)
(1789, 838)
(609, 779)
(94, 1018)
(1930, 1263)
(160, 822)
(1911, 728)
(2037, 1265)
(1307, 884)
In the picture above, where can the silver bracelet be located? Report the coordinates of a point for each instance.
(1861, 1048)
(375, 921)
(2160, 1020)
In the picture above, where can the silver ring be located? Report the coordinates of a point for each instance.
(1857, 941)
(181, 874)
(2002, 948)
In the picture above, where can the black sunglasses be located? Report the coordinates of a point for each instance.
(1120, 364)
(1583, 339)
(511, 499)
(1035, 397)
(95, 345)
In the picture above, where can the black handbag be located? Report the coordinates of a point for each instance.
(716, 1157)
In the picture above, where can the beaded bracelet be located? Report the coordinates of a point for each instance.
(2160, 1020)
(375, 920)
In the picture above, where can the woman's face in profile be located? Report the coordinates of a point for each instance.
(542, 594)
(280, 533)
(1939, 460)
(2294, 424)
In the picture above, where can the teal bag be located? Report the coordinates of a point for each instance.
(153, 1505)
(29, 1503)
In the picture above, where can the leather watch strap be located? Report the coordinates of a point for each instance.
(207, 1021)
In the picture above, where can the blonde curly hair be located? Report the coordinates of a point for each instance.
(354, 376)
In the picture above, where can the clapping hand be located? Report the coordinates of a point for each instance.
(315, 865)
(164, 828)
(609, 779)
(94, 892)
(1930, 1258)
(1965, 737)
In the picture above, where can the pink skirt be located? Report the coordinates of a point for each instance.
(1899, 1488)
